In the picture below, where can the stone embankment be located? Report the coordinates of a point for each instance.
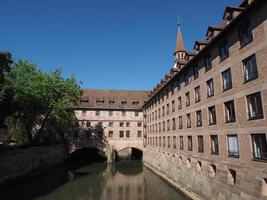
(18, 164)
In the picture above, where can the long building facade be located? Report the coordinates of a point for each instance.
(118, 111)
(206, 121)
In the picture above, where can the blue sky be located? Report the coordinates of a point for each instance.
(107, 44)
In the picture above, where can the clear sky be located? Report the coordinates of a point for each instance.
(107, 44)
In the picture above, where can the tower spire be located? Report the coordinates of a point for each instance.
(179, 41)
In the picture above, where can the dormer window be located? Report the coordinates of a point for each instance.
(135, 102)
(123, 102)
(99, 101)
(245, 33)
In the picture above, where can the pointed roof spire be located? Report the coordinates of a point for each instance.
(179, 40)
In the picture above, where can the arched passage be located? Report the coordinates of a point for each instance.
(129, 153)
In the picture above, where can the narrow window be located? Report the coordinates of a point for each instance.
(227, 79)
(123, 113)
(245, 33)
(250, 68)
(121, 124)
(173, 106)
(121, 134)
(188, 120)
(181, 142)
(196, 71)
(173, 124)
(163, 141)
(84, 113)
(200, 143)
(231, 177)
(169, 142)
(208, 62)
(160, 141)
(168, 125)
(210, 88)
(88, 124)
(199, 118)
(197, 94)
(163, 110)
(127, 124)
(224, 50)
(229, 111)
(159, 126)
(139, 124)
(233, 149)
(259, 146)
(254, 106)
(127, 134)
(110, 134)
(139, 134)
(179, 103)
(214, 144)
(110, 124)
(187, 96)
(168, 109)
(174, 142)
(163, 126)
(212, 115)
(212, 171)
(180, 122)
(190, 144)
(97, 113)
(136, 114)
(110, 113)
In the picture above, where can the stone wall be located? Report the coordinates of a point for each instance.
(21, 163)
(202, 182)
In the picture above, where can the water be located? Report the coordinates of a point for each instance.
(125, 180)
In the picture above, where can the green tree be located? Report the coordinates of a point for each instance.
(42, 101)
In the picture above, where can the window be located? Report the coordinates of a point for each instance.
(163, 141)
(123, 113)
(188, 120)
(197, 94)
(139, 134)
(210, 88)
(187, 97)
(186, 78)
(196, 71)
(163, 110)
(200, 143)
(173, 106)
(159, 112)
(169, 142)
(139, 124)
(254, 106)
(127, 134)
(156, 114)
(136, 114)
(190, 144)
(110, 134)
(224, 50)
(233, 149)
(250, 68)
(208, 62)
(97, 113)
(110, 124)
(168, 109)
(172, 89)
(163, 126)
(123, 102)
(229, 111)
(214, 144)
(227, 79)
(135, 103)
(180, 122)
(159, 126)
(84, 113)
(160, 141)
(88, 124)
(231, 177)
(212, 115)
(121, 134)
(245, 33)
(110, 113)
(259, 146)
(173, 124)
(212, 171)
(127, 124)
(121, 124)
(199, 118)
(111, 102)
(181, 142)
(174, 142)
(168, 125)
(179, 103)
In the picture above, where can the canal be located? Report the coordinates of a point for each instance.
(124, 180)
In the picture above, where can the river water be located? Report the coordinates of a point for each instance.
(124, 180)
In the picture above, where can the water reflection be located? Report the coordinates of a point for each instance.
(125, 180)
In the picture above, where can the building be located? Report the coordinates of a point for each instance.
(118, 111)
(206, 121)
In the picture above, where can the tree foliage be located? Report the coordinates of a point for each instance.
(42, 102)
